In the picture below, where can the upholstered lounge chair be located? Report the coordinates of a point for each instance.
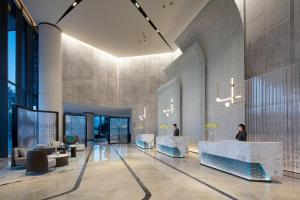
(38, 161)
(49, 149)
(71, 139)
(18, 157)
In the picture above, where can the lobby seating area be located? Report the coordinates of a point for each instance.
(42, 158)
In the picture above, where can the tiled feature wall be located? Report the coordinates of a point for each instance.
(94, 77)
(218, 29)
(272, 35)
(190, 68)
(273, 111)
(170, 90)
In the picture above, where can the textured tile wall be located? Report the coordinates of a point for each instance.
(297, 30)
(190, 68)
(93, 77)
(218, 29)
(170, 90)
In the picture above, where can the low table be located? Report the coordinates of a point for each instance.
(61, 159)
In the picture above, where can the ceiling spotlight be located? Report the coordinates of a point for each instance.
(137, 5)
(147, 18)
(74, 4)
(157, 30)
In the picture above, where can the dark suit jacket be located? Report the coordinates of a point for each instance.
(176, 132)
(241, 136)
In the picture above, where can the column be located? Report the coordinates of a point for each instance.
(50, 71)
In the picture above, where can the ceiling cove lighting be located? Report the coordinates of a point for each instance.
(141, 10)
(71, 7)
(230, 100)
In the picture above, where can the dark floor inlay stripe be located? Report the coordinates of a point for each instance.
(142, 185)
(185, 173)
(78, 181)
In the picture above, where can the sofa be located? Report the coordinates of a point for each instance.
(19, 157)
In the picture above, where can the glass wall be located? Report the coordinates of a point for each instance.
(75, 125)
(36, 127)
(18, 68)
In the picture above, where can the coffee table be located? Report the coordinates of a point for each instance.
(61, 159)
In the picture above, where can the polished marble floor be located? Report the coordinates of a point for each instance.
(126, 172)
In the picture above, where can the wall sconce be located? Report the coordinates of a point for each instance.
(170, 111)
(231, 99)
(142, 117)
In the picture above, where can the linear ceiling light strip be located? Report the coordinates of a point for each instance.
(138, 6)
(74, 4)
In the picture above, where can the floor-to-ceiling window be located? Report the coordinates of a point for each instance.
(111, 129)
(101, 128)
(119, 130)
(19, 68)
(11, 53)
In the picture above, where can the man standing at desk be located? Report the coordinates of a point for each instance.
(176, 130)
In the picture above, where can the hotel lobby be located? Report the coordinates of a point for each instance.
(140, 99)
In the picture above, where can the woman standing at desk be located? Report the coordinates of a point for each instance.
(242, 134)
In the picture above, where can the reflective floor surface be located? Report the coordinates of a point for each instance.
(126, 172)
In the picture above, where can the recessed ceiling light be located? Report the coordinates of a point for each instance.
(147, 18)
(137, 5)
(74, 4)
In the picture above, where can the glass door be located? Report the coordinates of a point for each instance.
(119, 130)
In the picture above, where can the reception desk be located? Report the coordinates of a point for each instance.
(145, 141)
(174, 146)
(255, 161)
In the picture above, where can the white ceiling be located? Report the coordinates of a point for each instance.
(47, 10)
(116, 26)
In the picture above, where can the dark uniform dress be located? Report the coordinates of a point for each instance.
(241, 136)
(176, 132)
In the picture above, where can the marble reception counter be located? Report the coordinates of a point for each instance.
(145, 141)
(174, 146)
(255, 161)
